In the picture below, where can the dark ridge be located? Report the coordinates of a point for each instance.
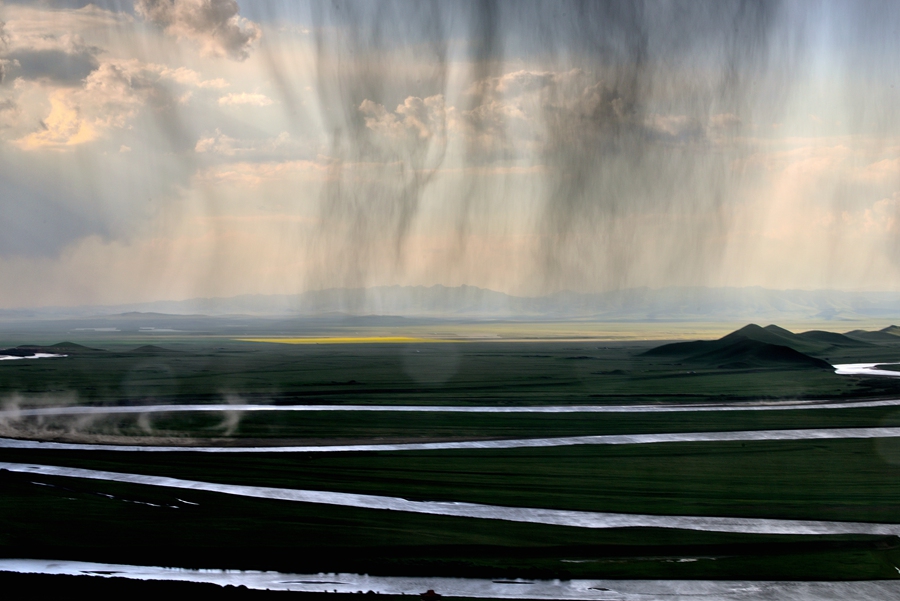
(778, 330)
(814, 341)
(755, 332)
(27, 350)
(71, 346)
(152, 350)
(748, 353)
(888, 335)
(831, 338)
(18, 352)
(748, 332)
(754, 346)
(679, 349)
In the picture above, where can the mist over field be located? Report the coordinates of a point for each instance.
(161, 150)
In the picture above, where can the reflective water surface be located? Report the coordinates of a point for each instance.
(533, 515)
(606, 439)
(685, 408)
(617, 590)
(865, 369)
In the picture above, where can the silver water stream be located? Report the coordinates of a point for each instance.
(482, 588)
(531, 515)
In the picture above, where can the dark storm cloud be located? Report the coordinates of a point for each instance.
(623, 129)
(360, 68)
(57, 65)
(599, 144)
(604, 153)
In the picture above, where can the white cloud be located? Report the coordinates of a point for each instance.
(4, 44)
(189, 77)
(885, 170)
(724, 121)
(522, 82)
(9, 111)
(675, 127)
(31, 28)
(421, 118)
(218, 143)
(213, 24)
(255, 174)
(109, 98)
(50, 44)
(234, 99)
(884, 216)
(222, 144)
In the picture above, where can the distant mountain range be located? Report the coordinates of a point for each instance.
(470, 302)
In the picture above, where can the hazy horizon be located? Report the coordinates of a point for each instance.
(180, 149)
(820, 309)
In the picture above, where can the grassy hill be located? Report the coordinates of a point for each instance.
(755, 346)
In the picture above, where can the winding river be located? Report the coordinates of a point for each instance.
(686, 408)
(606, 439)
(34, 356)
(865, 369)
(483, 588)
(611, 590)
(532, 515)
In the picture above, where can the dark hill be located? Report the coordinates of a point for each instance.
(831, 338)
(73, 347)
(682, 349)
(19, 351)
(889, 335)
(150, 349)
(766, 335)
(27, 350)
(752, 346)
(778, 330)
(748, 332)
(814, 341)
(746, 353)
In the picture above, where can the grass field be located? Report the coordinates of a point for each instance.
(69, 518)
(212, 370)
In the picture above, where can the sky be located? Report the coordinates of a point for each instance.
(171, 149)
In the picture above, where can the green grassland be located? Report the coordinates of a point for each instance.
(854, 480)
(100, 521)
(451, 373)
(320, 427)
(66, 518)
